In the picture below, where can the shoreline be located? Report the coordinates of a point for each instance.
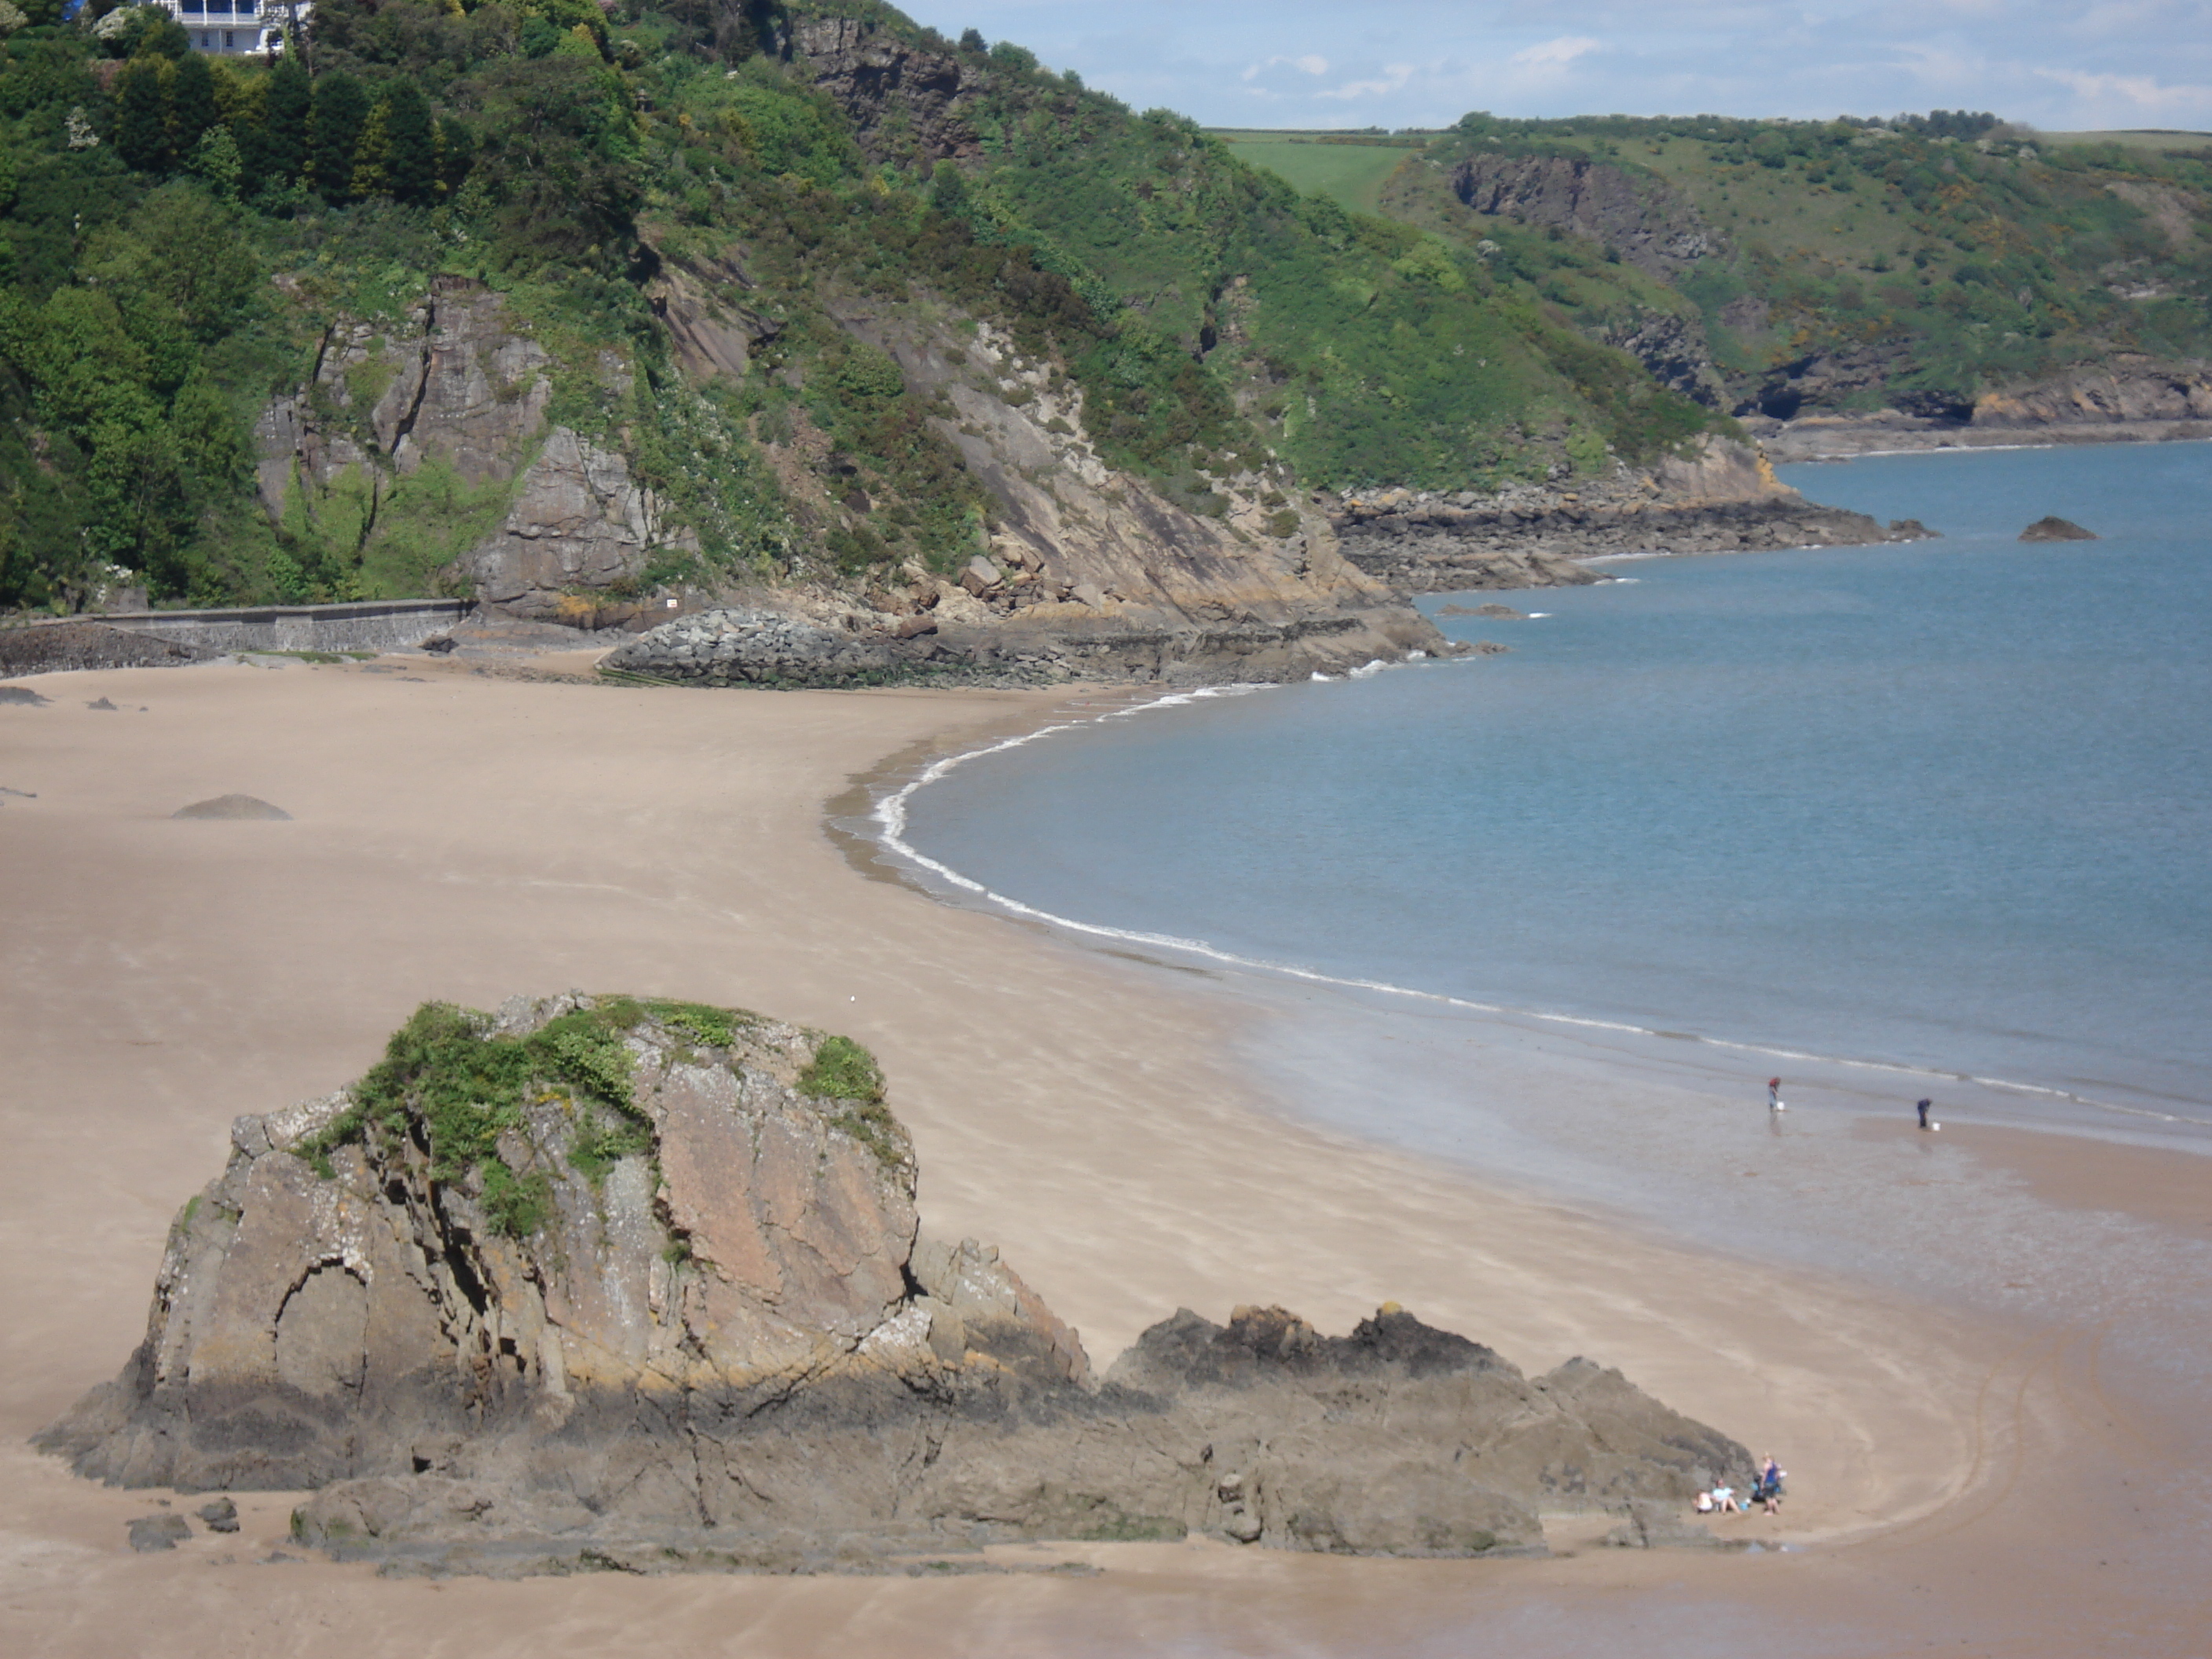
(868, 821)
(467, 837)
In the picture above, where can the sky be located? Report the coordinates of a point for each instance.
(1426, 63)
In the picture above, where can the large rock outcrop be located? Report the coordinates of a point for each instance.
(460, 382)
(603, 1282)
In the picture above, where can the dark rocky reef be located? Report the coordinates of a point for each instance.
(600, 1283)
(2052, 528)
(1721, 498)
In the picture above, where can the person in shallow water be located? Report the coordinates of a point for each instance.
(1922, 1110)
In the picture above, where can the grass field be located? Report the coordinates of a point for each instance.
(1348, 174)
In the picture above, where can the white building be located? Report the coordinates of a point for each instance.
(233, 26)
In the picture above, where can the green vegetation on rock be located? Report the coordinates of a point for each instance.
(449, 1081)
(844, 1072)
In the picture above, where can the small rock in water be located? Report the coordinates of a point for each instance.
(159, 1531)
(2052, 528)
(231, 806)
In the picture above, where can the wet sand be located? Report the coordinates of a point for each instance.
(464, 837)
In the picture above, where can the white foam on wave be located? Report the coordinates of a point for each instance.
(891, 817)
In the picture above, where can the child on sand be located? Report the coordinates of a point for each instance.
(1774, 1095)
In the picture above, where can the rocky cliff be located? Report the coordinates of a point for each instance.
(1648, 225)
(639, 1284)
(2131, 398)
(458, 382)
(1722, 497)
(1090, 572)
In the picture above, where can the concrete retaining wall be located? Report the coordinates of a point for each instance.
(370, 625)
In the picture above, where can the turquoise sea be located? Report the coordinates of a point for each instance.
(1944, 806)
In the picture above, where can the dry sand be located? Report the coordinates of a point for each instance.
(462, 837)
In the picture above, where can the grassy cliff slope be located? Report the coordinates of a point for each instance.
(1839, 265)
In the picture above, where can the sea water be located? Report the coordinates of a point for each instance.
(1941, 806)
(1883, 820)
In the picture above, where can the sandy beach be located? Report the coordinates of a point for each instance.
(462, 837)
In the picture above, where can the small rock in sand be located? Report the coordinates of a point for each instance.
(159, 1531)
(104, 703)
(222, 1515)
(23, 693)
(231, 806)
(2052, 528)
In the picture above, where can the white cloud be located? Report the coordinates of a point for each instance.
(1311, 63)
(2128, 95)
(1394, 77)
(1562, 51)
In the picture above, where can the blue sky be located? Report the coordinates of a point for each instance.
(1424, 63)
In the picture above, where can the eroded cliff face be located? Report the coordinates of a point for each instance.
(542, 510)
(1091, 571)
(658, 1300)
(904, 102)
(1652, 227)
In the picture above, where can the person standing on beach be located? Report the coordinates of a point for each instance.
(1922, 1108)
(1774, 1094)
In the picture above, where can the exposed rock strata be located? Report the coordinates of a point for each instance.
(1723, 498)
(1092, 573)
(713, 1339)
(1649, 224)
